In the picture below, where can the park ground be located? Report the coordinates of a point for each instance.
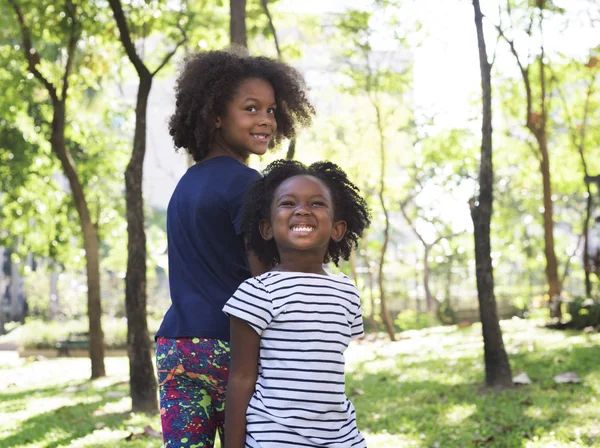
(425, 390)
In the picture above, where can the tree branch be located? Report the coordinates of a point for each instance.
(524, 73)
(32, 56)
(168, 57)
(446, 237)
(126, 38)
(578, 141)
(272, 26)
(410, 221)
(71, 47)
(568, 262)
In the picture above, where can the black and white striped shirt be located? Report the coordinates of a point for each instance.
(305, 322)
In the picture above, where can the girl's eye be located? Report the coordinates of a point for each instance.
(271, 110)
(318, 204)
(287, 204)
(251, 108)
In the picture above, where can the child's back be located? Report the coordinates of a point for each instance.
(207, 258)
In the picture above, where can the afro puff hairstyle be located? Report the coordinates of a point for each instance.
(348, 206)
(209, 80)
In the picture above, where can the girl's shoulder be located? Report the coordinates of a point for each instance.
(277, 279)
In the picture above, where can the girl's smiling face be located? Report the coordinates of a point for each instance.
(249, 123)
(302, 218)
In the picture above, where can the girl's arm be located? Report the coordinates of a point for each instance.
(256, 266)
(243, 372)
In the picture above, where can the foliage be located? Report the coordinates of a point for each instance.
(35, 187)
(412, 320)
(38, 334)
(585, 312)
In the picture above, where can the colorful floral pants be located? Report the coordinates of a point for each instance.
(192, 378)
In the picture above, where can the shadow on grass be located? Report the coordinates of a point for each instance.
(441, 411)
(43, 392)
(58, 427)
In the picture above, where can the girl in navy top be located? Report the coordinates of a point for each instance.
(291, 326)
(227, 107)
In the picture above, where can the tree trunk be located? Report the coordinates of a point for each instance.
(291, 152)
(429, 300)
(2, 288)
(383, 311)
(237, 23)
(90, 240)
(14, 291)
(2, 329)
(586, 245)
(142, 380)
(497, 368)
(143, 387)
(385, 315)
(54, 303)
(554, 284)
(371, 285)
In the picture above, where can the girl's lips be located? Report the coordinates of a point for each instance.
(262, 137)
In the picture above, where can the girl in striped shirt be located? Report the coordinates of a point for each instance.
(291, 326)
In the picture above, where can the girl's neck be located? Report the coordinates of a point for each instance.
(218, 148)
(298, 264)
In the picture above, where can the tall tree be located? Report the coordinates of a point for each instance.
(142, 380)
(497, 368)
(69, 26)
(536, 121)
(2, 329)
(237, 23)
(291, 151)
(373, 76)
(578, 126)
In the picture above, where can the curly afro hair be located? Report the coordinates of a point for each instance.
(348, 206)
(209, 80)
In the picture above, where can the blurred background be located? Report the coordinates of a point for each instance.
(86, 90)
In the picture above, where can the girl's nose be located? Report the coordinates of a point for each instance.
(266, 119)
(302, 210)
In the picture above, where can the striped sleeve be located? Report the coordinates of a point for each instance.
(357, 326)
(358, 330)
(252, 304)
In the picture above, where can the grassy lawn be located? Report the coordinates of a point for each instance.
(422, 391)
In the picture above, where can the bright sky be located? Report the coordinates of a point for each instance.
(446, 74)
(446, 67)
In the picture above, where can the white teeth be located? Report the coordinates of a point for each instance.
(302, 229)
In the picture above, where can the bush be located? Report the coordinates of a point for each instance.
(521, 303)
(39, 334)
(584, 312)
(411, 320)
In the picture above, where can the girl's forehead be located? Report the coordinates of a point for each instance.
(255, 87)
(303, 183)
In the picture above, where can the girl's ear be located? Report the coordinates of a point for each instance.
(265, 229)
(338, 231)
(218, 123)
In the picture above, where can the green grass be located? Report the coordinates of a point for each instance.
(422, 391)
(426, 390)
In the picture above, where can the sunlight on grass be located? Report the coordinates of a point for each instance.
(424, 390)
(456, 414)
(383, 440)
